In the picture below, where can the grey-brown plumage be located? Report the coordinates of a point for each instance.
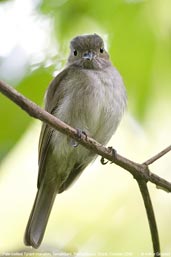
(88, 94)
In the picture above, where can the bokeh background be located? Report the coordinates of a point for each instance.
(103, 213)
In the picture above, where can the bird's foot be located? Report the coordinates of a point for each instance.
(113, 152)
(102, 160)
(80, 133)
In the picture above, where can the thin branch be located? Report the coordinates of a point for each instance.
(157, 156)
(140, 171)
(150, 215)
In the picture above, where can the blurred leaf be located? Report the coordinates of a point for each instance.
(132, 49)
(14, 121)
(139, 45)
(135, 47)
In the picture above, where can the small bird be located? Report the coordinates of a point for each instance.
(88, 94)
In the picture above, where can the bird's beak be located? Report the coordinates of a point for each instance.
(88, 55)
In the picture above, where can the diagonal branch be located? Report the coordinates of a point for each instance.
(137, 170)
(157, 156)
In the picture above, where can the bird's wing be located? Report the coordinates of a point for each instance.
(74, 174)
(53, 96)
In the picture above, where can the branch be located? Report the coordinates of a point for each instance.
(157, 156)
(140, 171)
(150, 215)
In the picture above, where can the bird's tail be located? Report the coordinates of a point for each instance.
(39, 215)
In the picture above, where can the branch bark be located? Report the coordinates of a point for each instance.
(137, 170)
(150, 215)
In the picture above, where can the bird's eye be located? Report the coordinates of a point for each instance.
(101, 50)
(75, 52)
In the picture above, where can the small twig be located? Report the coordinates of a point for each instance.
(150, 215)
(157, 156)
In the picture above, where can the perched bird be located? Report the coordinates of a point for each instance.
(88, 94)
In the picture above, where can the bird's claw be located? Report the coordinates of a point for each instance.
(74, 143)
(113, 152)
(79, 135)
(103, 162)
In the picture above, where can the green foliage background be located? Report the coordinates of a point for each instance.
(139, 41)
(139, 44)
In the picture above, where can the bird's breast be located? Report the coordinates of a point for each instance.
(93, 102)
